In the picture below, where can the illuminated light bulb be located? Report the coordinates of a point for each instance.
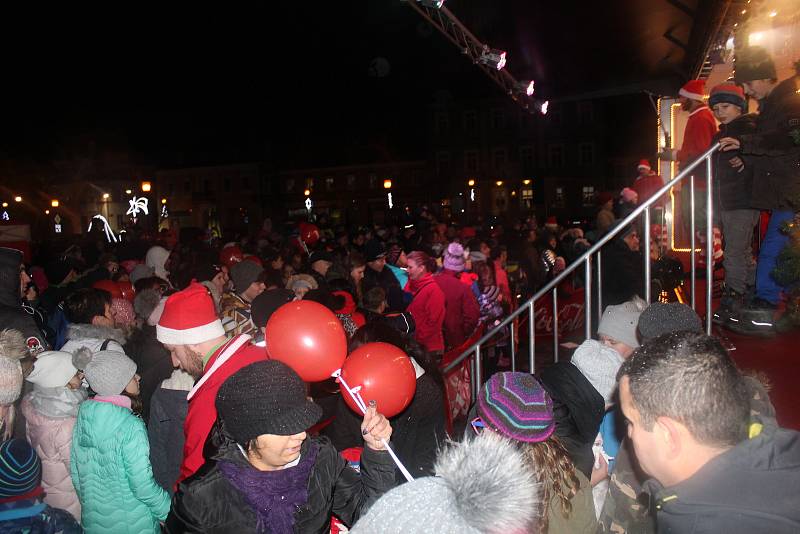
(773, 14)
(54, 203)
(128, 191)
(163, 200)
(498, 183)
(146, 187)
(526, 182)
(105, 196)
(387, 184)
(471, 183)
(307, 192)
(17, 199)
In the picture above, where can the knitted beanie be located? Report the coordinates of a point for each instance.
(729, 93)
(660, 318)
(52, 369)
(245, 273)
(20, 469)
(140, 272)
(754, 63)
(12, 349)
(481, 485)
(206, 272)
(264, 305)
(454, 257)
(516, 406)
(599, 364)
(145, 302)
(619, 323)
(265, 397)
(107, 371)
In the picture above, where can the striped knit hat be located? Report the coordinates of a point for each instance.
(20, 469)
(516, 406)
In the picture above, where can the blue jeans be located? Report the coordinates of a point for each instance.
(774, 241)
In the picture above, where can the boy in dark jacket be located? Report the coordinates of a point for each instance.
(732, 184)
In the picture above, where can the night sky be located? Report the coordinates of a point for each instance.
(290, 83)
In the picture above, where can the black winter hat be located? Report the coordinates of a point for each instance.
(373, 250)
(265, 397)
(659, 319)
(754, 63)
(264, 305)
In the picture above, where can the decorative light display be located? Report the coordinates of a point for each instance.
(106, 228)
(137, 205)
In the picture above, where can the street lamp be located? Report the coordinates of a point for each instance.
(17, 199)
(307, 192)
(163, 200)
(387, 184)
(54, 203)
(526, 182)
(471, 183)
(105, 196)
(146, 186)
(499, 183)
(5, 204)
(128, 191)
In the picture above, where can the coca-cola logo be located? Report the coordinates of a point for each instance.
(570, 315)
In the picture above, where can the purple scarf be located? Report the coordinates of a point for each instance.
(273, 495)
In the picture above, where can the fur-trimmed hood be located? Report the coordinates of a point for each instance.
(482, 486)
(83, 331)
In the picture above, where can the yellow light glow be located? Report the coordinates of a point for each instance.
(105, 196)
(307, 192)
(163, 200)
(513, 193)
(499, 183)
(47, 212)
(773, 14)
(744, 11)
(526, 182)
(5, 204)
(471, 183)
(17, 199)
(387, 184)
(755, 38)
(128, 191)
(146, 187)
(54, 203)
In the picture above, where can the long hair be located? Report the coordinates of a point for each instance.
(555, 472)
(136, 403)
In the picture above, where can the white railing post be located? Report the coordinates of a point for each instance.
(710, 245)
(588, 296)
(555, 324)
(531, 337)
(599, 284)
(692, 261)
(647, 289)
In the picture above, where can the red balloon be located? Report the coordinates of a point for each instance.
(309, 233)
(126, 289)
(385, 374)
(231, 255)
(308, 337)
(109, 286)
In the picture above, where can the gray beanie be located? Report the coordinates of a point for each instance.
(145, 302)
(481, 485)
(660, 318)
(599, 364)
(107, 371)
(619, 322)
(245, 273)
(140, 272)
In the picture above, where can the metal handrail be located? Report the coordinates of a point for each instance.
(585, 258)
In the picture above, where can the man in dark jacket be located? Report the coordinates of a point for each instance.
(687, 408)
(13, 280)
(773, 151)
(623, 276)
(377, 275)
(732, 183)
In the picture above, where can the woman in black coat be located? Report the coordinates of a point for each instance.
(266, 474)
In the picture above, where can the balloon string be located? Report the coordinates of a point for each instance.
(363, 407)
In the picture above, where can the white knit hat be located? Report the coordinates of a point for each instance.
(599, 364)
(107, 371)
(619, 322)
(52, 369)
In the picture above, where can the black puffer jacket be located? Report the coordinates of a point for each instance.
(623, 273)
(577, 409)
(732, 188)
(207, 502)
(12, 314)
(153, 362)
(774, 148)
(388, 281)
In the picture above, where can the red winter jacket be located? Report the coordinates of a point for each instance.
(461, 308)
(202, 409)
(700, 130)
(428, 310)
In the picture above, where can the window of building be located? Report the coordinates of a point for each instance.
(497, 119)
(351, 182)
(442, 122)
(558, 200)
(329, 183)
(226, 184)
(442, 163)
(586, 154)
(526, 198)
(471, 161)
(555, 155)
(470, 120)
(585, 113)
(526, 158)
(589, 196)
(499, 158)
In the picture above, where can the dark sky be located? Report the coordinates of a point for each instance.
(289, 81)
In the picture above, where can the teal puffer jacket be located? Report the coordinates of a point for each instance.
(110, 468)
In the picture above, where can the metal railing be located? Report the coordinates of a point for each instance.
(586, 260)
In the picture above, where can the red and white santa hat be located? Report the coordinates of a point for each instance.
(189, 318)
(693, 90)
(643, 164)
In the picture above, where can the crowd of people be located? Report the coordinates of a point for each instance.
(137, 391)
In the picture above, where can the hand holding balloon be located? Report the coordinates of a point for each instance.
(383, 373)
(375, 428)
